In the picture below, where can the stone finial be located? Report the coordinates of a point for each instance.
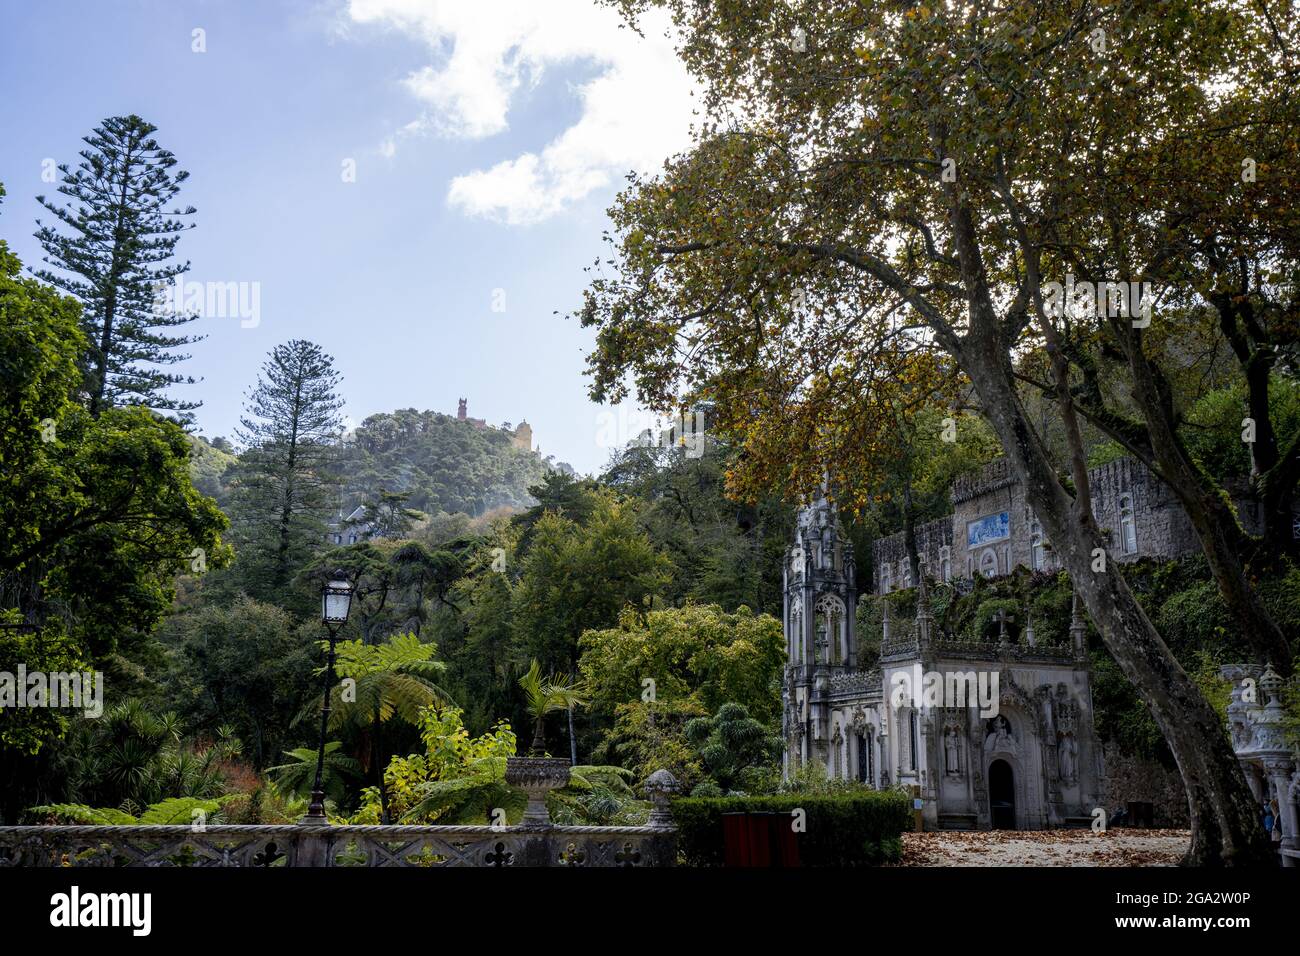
(924, 619)
(1270, 682)
(1078, 630)
(659, 787)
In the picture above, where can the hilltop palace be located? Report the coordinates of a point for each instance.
(992, 734)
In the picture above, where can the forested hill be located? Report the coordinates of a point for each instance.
(443, 463)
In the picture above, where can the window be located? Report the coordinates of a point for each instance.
(1127, 526)
(945, 564)
(904, 573)
(830, 630)
(885, 583)
(1037, 554)
(989, 563)
(913, 739)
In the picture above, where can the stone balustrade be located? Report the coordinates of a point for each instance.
(303, 845)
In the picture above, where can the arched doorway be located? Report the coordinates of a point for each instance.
(1002, 795)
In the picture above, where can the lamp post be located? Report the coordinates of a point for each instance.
(336, 601)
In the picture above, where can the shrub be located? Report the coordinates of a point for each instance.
(859, 829)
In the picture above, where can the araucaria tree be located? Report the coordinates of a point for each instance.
(115, 254)
(879, 189)
(285, 488)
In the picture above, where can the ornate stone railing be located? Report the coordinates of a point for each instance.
(1270, 760)
(854, 683)
(993, 650)
(299, 845)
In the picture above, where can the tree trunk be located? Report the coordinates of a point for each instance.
(98, 400)
(909, 534)
(1224, 541)
(1225, 828)
(1224, 819)
(379, 771)
(538, 748)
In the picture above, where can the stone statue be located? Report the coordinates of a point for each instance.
(999, 737)
(950, 751)
(1067, 752)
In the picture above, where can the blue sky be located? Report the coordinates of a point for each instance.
(488, 139)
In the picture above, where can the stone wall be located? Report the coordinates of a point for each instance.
(978, 500)
(1131, 778)
(933, 544)
(992, 529)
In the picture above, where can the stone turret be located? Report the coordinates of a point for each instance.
(821, 640)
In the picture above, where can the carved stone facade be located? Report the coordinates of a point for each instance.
(1027, 760)
(1271, 764)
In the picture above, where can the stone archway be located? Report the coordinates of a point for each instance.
(1002, 795)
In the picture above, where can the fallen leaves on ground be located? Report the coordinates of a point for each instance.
(1121, 847)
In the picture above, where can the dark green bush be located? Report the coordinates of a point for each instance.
(855, 829)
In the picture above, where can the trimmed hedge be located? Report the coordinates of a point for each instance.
(851, 829)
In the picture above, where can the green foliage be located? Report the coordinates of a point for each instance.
(48, 650)
(241, 664)
(860, 829)
(739, 753)
(458, 778)
(479, 646)
(115, 251)
(812, 778)
(102, 511)
(597, 796)
(724, 552)
(298, 776)
(441, 463)
(699, 652)
(264, 803)
(284, 486)
(545, 695)
(385, 515)
(209, 464)
(1213, 425)
(54, 814)
(393, 679)
(646, 737)
(169, 812)
(578, 577)
(41, 342)
(108, 511)
(132, 757)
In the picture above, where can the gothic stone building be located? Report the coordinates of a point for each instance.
(1036, 762)
(1028, 759)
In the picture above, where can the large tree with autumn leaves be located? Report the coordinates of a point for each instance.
(877, 197)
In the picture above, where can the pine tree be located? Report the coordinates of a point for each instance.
(285, 481)
(115, 256)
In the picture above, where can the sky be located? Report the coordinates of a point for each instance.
(416, 185)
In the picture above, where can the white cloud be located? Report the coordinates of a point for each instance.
(635, 112)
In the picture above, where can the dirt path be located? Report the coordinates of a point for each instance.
(1121, 847)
